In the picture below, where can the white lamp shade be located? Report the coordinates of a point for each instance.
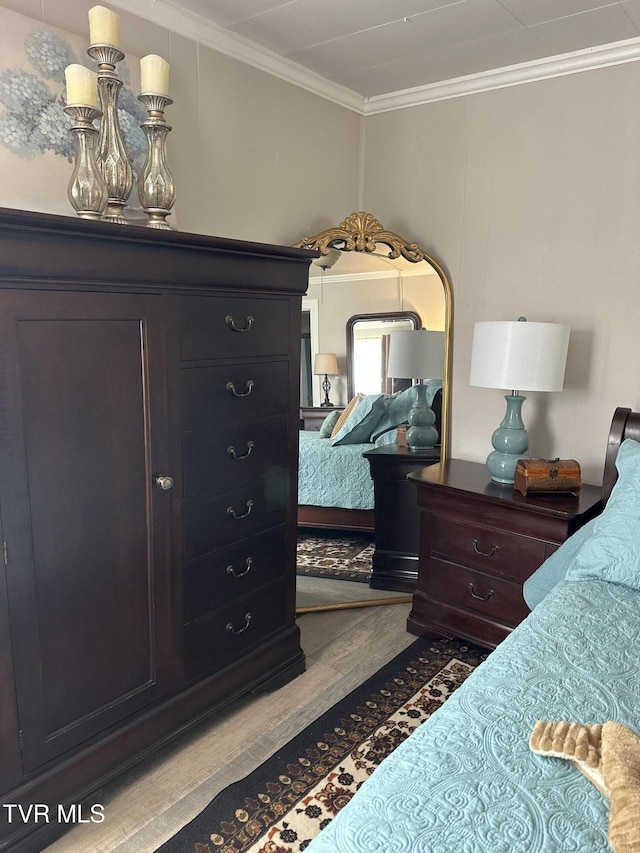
(416, 354)
(519, 355)
(325, 363)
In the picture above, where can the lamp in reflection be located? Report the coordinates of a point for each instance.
(418, 354)
(516, 354)
(325, 364)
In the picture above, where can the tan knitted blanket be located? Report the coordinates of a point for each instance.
(609, 756)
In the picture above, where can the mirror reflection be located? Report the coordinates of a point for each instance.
(375, 283)
(368, 351)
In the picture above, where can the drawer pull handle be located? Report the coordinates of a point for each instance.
(480, 597)
(234, 455)
(231, 323)
(247, 622)
(231, 387)
(494, 550)
(231, 511)
(232, 571)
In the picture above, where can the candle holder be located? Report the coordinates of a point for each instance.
(156, 188)
(111, 155)
(87, 190)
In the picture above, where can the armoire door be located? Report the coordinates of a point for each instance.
(86, 516)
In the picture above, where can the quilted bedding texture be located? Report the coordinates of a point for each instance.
(333, 476)
(467, 782)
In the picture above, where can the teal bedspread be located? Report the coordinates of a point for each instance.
(333, 475)
(466, 780)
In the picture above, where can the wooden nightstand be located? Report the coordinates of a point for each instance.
(479, 542)
(313, 416)
(397, 520)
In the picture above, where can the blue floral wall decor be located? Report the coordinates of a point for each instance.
(36, 146)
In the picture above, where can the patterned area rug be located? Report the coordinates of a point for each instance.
(335, 555)
(285, 803)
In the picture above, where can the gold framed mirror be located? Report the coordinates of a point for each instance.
(362, 234)
(365, 271)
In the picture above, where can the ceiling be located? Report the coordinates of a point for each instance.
(378, 47)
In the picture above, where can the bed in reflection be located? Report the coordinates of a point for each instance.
(372, 282)
(335, 489)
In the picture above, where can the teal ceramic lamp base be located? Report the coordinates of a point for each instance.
(421, 433)
(510, 442)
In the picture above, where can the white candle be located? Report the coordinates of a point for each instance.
(154, 75)
(82, 85)
(104, 26)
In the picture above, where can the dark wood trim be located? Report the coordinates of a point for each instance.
(336, 518)
(625, 424)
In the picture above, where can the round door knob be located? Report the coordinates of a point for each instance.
(164, 483)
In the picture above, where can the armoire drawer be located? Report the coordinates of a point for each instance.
(231, 326)
(219, 460)
(211, 643)
(489, 595)
(222, 520)
(223, 576)
(487, 548)
(233, 393)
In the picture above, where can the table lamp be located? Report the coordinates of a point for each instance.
(325, 364)
(418, 354)
(522, 355)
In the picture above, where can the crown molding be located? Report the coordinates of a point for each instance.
(190, 25)
(589, 59)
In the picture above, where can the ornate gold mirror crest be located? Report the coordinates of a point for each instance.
(362, 232)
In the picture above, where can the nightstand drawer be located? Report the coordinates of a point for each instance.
(486, 548)
(489, 595)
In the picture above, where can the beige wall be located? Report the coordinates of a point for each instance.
(530, 197)
(253, 157)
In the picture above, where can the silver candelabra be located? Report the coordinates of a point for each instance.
(111, 155)
(156, 188)
(87, 190)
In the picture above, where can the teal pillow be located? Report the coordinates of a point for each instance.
(555, 567)
(328, 423)
(361, 421)
(399, 405)
(612, 552)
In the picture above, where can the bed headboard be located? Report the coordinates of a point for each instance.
(625, 424)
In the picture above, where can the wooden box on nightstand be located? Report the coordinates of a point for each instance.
(479, 542)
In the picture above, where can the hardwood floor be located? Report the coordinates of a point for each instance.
(148, 805)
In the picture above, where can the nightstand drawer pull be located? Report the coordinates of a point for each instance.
(231, 511)
(480, 597)
(239, 456)
(494, 550)
(232, 571)
(231, 387)
(247, 622)
(231, 323)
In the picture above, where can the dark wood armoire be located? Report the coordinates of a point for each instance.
(148, 490)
